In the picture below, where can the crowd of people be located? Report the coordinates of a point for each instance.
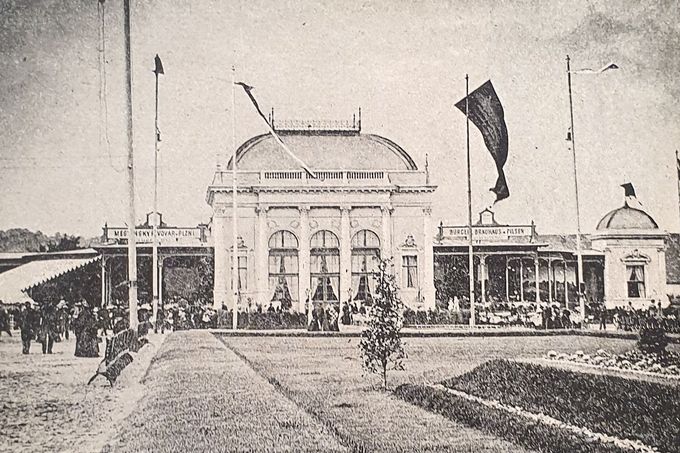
(631, 319)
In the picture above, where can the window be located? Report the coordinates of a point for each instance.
(365, 259)
(325, 267)
(409, 271)
(242, 273)
(636, 281)
(283, 268)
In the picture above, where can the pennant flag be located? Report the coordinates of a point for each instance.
(159, 65)
(608, 67)
(629, 189)
(248, 89)
(486, 112)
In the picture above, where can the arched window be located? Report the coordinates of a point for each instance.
(365, 259)
(325, 267)
(283, 268)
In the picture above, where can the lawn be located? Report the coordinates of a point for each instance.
(324, 376)
(199, 396)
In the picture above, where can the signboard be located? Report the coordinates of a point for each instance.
(487, 233)
(166, 236)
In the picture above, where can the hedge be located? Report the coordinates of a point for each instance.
(521, 431)
(624, 408)
(435, 317)
(263, 321)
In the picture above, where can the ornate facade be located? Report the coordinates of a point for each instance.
(303, 238)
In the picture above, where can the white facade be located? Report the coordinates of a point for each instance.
(309, 236)
(635, 260)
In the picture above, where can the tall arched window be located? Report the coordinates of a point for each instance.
(365, 258)
(283, 268)
(325, 267)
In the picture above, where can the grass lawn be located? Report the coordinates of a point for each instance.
(200, 397)
(324, 376)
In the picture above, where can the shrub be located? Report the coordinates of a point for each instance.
(625, 408)
(264, 321)
(653, 339)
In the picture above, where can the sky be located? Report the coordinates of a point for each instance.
(62, 134)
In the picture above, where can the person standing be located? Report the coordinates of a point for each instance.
(85, 327)
(27, 327)
(4, 321)
(603, 317)
(46, 328)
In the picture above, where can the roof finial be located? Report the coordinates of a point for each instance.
(273, 121)
(359, 118)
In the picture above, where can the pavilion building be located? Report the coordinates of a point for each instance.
(318, 239)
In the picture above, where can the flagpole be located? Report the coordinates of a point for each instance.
(155, 285)
(579, 255)
(469, 193)
(132, 239)
(234, 221)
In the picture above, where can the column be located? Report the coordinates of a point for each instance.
(303, 262)
(386, 232)
(160, 280)
(536, 274)
(222, 277)
(108, 284)
(507, 279)
(482, 277)
(566, 292)
(550, 278)
(345, 255)
(428, 260)
(521, 278)
(261, 256)
(103, 278)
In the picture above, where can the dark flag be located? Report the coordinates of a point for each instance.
(248, 89)
(486, 112)
(629, 189)
(159, 65)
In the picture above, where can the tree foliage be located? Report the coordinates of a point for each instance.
(381, 348)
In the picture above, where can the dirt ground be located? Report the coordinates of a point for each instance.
(46, 406)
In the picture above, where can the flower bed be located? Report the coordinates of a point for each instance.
(665, 364)
(624, 408)
(497, 422)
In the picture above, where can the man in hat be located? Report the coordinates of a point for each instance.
(27, 326)
(4, 321)
(47, 331)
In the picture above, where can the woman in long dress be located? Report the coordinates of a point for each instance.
(85, 327)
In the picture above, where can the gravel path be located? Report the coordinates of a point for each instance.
(46, 406)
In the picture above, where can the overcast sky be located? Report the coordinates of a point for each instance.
(403, 62)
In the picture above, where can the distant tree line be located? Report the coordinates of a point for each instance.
(24, 240)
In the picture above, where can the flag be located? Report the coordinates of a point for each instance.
(486, 112)
(248, 89)
(629, 189)
(677, 164)
(159, 65)
(608, 67)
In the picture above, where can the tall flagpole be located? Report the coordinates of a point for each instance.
(579, 255)
(469, 192)
(132, 239)
(155, 284)
(234, 222)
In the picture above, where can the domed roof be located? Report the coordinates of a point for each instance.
(323, 151)
(627, 218)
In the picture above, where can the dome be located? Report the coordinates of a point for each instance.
(627, 218)
(323, 151)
